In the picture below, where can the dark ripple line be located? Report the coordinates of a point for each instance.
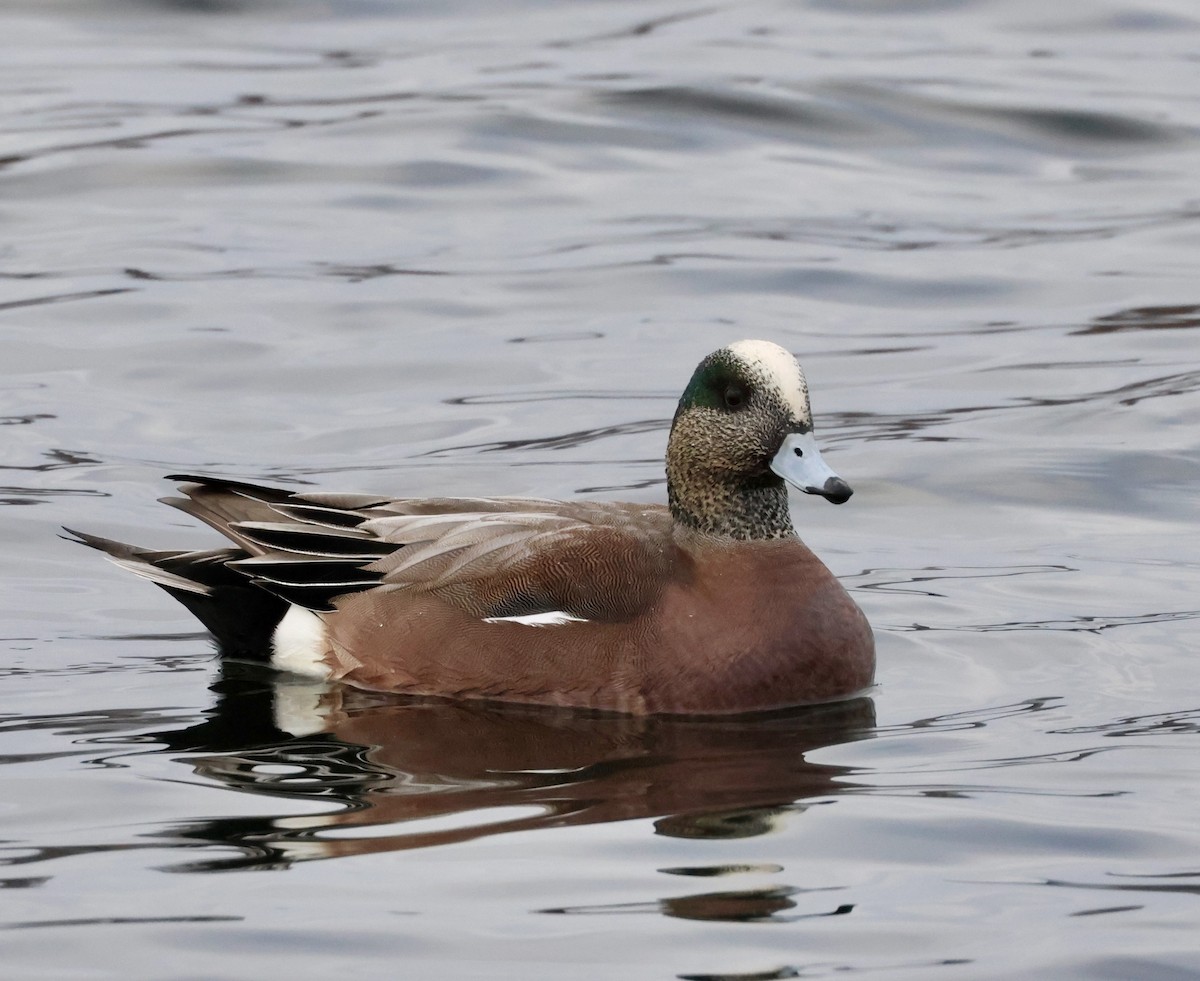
(640, 29)
(633, 485)
(561, 442)
(141, 140)
(1182, 383)
(350, 273)
(1122, 887)
(93, 723)
(1033, 759)
(336, 59)
(948, 573)
(10, 759)
(559, 337)
(24, 496)
(904, 235)
(63, 297)
(874, 426)
(119, 920)
(973, 718)
(59, 460)
(26, 420)
(134, 110)
(788, 971)
(968, 791)
(1084, 624)
(1184, 722)
(24, 882)
(522, 398)
(1144, 318)
(117, 143)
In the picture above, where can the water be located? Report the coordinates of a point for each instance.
(472, 248)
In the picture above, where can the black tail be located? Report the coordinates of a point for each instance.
(240, 615)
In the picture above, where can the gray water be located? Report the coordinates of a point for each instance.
(477, 248)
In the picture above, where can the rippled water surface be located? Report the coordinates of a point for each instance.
(473, 248)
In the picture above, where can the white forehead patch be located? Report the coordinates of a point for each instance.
(777, 367)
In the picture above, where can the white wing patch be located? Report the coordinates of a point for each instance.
(554, 618)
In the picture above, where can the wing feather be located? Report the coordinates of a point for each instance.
(492, 557)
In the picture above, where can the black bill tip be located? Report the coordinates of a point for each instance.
(836, 491)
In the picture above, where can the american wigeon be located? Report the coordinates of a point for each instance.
(708, 605)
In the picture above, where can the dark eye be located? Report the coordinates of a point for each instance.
(734, 395)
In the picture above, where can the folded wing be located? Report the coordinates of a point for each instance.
(491, 557)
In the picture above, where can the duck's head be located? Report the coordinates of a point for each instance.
(743, 427)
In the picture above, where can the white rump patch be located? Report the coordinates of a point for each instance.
(781, 369)
(300, 644)
(553, 619)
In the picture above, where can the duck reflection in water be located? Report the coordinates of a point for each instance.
(405, 773)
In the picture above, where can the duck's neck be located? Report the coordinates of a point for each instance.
(743, 511)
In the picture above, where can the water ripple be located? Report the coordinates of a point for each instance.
(1094, 624)
(1178, 317)
(1184, 722)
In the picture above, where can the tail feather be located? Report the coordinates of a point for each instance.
(240, 615)
(242, 602)
(222, 503)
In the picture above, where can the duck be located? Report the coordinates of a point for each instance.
(708, 605)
